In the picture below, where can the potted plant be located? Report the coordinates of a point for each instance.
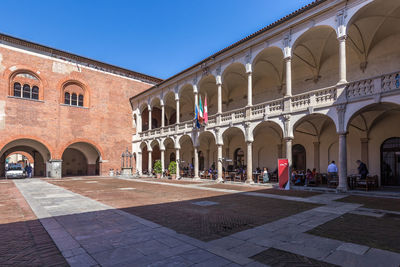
(157, 168)
(172, 169)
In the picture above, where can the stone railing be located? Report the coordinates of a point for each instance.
(212, 120)
(390, 82)
(301, 101)
(269, 107)
(324, 96)
(360, 88)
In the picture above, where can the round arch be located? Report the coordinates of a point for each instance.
(81, 158)
(38, 150)
(234, 86)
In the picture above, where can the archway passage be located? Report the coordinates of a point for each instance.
(299, 157)
(390, 162)
(80, 159)
(34, 150)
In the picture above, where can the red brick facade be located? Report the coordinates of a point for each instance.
(104, 121)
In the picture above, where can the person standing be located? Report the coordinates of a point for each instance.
(265, 175)
(362, 169)
(29, 170)
(332, 169)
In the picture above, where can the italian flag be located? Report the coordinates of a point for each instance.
(200, 114)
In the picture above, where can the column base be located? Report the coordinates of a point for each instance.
(196, 178)
(249, 182)
(220, 180)
(342, 189)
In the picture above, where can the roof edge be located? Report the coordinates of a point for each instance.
(60, 54)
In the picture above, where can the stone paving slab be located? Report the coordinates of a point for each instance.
(90, 233)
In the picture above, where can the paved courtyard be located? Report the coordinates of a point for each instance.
(93, 221)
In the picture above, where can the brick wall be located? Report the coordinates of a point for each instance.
(106, 122)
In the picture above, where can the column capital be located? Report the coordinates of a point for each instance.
(342, 38)
(249, 68)
(288, 138)
(343, 133)
(218, 80)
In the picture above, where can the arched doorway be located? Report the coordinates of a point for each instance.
(37, 153)
(390, 162)
(299, 157)
(238, 158)
(201, 160)
(80, 159)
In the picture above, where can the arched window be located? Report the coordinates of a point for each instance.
(26, 91)
(80, 100)
(73, 100)
(17, 89)
(67, 98)
(26, 84)
(75, 94)
(35, 92)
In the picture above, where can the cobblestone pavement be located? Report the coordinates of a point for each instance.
(202, 214)
(23, 240)
(87, 219)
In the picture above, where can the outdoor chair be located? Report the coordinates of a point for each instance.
(333, 180)
(370, 182)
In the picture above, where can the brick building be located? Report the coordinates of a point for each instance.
(70, 113)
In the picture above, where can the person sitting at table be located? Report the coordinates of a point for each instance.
(362, 169)
(314, 172)
(265, 175)
(309, 177)
(293, 177)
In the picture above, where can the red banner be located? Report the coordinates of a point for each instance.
(283, 172)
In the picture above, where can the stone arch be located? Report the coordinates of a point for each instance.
(234, 86)
(81, 158)
(268, 74)
(316, 132)
(315, 59)
(186, 102)
(371, 32)
(170, 108)
(267, 145)
(37, 149)
(208, 86)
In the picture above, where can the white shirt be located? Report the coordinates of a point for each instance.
(332, 168)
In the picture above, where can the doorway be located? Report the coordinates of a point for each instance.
(390, 162)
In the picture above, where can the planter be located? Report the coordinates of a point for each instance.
(158, 175)
(173, 176)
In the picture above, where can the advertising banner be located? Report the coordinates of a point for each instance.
(283, 172)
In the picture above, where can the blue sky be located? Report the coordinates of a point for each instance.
(155, 37)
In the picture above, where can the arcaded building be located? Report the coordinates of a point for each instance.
(321, 84)
(68, 115)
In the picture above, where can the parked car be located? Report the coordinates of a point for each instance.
(15, 171)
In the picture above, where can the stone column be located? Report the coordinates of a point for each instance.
(162, 161)
(316, 155)
(342, 59)
(219, 93)
(249, 163)
(178, 172)
(249, 85)
(289, 141)
(177, 111)
(364, 150)
(342, 162)
(196, 163)
(139, 163)
(288, 61)
(150, 163)
(54, 169)
(196, 100)
(150, 117)
(162, 116)
(219, 162)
